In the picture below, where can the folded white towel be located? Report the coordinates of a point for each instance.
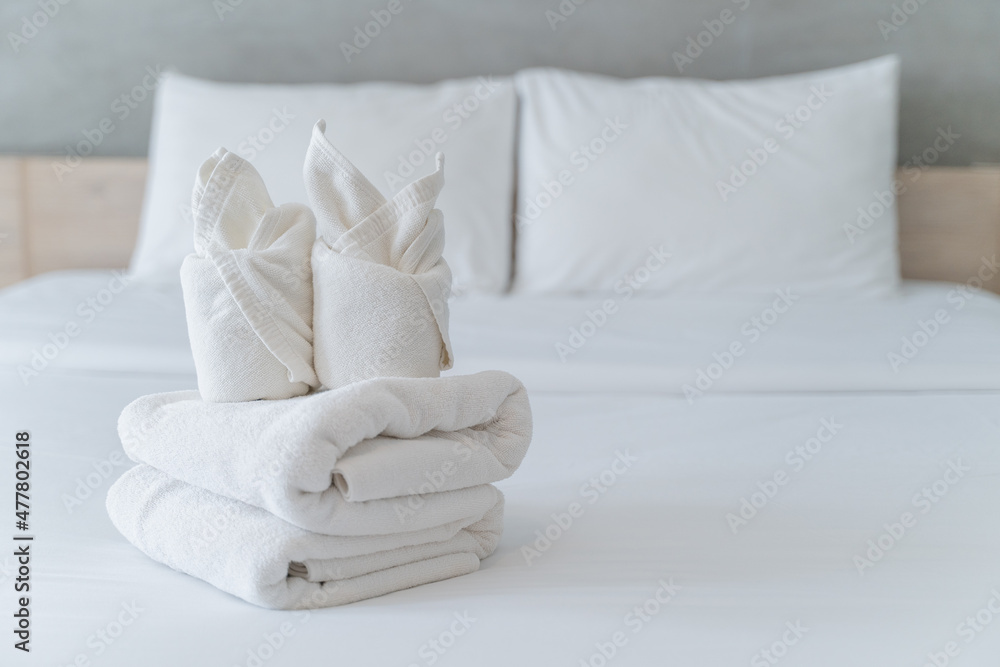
(248, 287)
(256, 556)
(381, 286)
(410, 453)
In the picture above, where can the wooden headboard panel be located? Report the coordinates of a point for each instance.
(949, 221)
(949, 218)
(88, 220)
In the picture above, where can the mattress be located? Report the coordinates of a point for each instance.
(817, 503)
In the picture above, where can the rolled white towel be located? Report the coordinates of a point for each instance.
(381, 286)
(380, 456)
(256, 556)
(248, 287)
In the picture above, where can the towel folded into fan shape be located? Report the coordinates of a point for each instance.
(248, 287)
(381, 285)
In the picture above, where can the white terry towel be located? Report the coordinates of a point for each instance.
(381, 286)
(248, 287)
(254, 555)
(376, 457)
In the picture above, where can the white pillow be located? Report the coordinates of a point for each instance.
(386, 129)
(614, 174)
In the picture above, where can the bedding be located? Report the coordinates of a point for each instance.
(777, 516)
(734, 186)
(390, 130)
(867, 537)
(637, 343)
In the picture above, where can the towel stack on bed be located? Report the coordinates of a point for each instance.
(288, 495)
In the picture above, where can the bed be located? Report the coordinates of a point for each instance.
(715, 478)
(708, 530)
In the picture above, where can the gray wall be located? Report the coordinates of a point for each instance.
(64, 79)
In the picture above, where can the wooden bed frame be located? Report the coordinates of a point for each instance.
(949, 218)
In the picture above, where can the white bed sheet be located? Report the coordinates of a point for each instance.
(648, 344)
(664, 517)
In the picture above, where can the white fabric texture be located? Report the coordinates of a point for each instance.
(664, 518)
(441, 441)
(254, 555)
(380, 284)
(654, 344)
(391, 131)
(695, 186)
(248, 287)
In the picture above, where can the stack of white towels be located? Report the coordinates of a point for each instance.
(323, 460)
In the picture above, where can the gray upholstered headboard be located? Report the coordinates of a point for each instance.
(65, 63)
